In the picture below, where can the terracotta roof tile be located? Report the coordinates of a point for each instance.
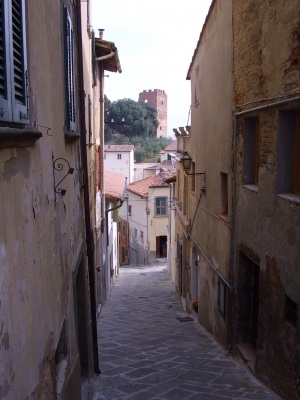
(114, 184)
(172, 146)
(142, 187)
(118, 147)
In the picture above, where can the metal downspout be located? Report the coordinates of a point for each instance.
(106, 212)
(89, 242)
(233, 232)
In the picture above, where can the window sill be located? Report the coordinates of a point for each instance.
(252, 187)
(16, 137)
(160, 216)
(293, 197)
(71, 136)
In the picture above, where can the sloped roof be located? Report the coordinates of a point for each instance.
(104, 48)
(142, 187)
(172, 146)
(118, 147)
(114, 185)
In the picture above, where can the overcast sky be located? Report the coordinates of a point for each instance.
(156, 41)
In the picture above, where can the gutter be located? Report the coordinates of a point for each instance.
(89, 238)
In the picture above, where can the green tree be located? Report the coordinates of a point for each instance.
(134, 118)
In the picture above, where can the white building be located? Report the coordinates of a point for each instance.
(119, 159)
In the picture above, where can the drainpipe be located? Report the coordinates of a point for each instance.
(89, 240)
(106, 212)
(233, 233)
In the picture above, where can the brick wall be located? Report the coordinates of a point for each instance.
(157, 98)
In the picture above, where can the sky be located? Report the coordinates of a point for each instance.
(156, 41)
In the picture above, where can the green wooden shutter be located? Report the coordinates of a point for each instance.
(19, 62)
(69, 40)
(5, 94)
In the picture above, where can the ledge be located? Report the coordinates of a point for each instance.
(252, 187)
(292, 197)
(15, 137)
(71, 136)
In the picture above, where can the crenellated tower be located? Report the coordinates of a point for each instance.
(158, 99)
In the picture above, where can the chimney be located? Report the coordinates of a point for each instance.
(101, 33)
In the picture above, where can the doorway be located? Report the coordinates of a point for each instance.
(248, 301)
(161, 246)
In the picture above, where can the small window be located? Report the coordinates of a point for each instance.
(161, 206)
(104, 156)
(129, 211)
(222, 298)
(251, 151)
(224, 197)
(160, 128)
(288, 167)
(290, 312)
(142, 236)
(135, 232)
(119, 156)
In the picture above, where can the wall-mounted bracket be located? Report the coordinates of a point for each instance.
(58, 165)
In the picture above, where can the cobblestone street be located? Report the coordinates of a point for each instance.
(146, 353)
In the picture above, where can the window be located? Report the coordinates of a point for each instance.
(161, 206)
(251, 151)
(222, 298)
(119, 156)
(142, 236)
(135, 232)
(69, 67)
(290, 312)
(224, 197)
(13, 62)
(129, 211)
(104, 156)
(288, 168)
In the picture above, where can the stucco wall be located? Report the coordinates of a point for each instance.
(42, 233)
(211, 148)
(121, 166)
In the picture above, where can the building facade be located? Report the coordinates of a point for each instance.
(237, 203)
(119, 159)
(158, 98)
(267, 191)
(146, 211)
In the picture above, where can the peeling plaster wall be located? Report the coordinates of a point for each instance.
(210, 147)
(266, 66)
(41, 233)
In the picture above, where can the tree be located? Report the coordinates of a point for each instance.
(134, 118)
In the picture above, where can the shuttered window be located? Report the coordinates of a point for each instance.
(13, 62)
(69, 55)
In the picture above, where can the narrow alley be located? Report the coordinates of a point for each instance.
(147, 353)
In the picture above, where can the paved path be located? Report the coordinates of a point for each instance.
(146, 353)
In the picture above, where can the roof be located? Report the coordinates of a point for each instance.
(200, 38)
(142, 187)
(114, 185)
(104, 48)
(172, 146)
(118, 147)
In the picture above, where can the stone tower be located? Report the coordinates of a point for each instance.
(158, 99)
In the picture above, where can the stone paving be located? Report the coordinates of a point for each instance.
(146, 353)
